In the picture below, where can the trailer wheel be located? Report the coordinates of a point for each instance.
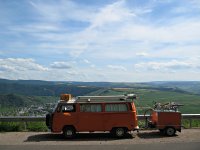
(119, 132)
(69, 132)
(170, 131)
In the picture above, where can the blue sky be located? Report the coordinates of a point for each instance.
(100, 40)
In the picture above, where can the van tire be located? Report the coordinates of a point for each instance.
(119, 132)
(69, 132)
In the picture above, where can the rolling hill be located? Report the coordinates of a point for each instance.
(42, 88)
(15, 93)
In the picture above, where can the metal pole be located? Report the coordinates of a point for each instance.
(190, 122)
(25, 125)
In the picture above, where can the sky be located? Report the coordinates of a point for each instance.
(100, 40)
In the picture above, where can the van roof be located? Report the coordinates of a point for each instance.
(97, 99)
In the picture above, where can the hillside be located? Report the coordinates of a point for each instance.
(42, 88)
(15, 100)
(54, 88)
(15, 93)
(188, 86)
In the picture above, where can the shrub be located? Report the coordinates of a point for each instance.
(10, 126)
(36, 126)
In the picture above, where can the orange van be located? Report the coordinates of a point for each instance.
(116, 114)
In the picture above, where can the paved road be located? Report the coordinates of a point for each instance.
(158, 146)
(152, 140)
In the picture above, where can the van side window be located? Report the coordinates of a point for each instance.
(90, 108)
(68, 108)
(116, 108)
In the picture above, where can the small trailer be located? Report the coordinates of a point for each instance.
(164, 117)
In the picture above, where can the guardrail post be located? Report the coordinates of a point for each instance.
(190, 120)
(25, 125)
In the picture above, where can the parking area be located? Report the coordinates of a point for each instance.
(143, 137)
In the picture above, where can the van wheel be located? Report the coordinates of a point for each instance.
(170, 131)
(69, 132)
(119, 132)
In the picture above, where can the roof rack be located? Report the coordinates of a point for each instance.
(114, 98)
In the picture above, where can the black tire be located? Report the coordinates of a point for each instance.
(170, 131)
(119, 132)
(69, 132)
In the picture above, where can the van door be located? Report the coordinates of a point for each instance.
(90, 117)
(65, 115)
(117, 115)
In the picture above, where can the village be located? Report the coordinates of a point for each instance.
(33, 110)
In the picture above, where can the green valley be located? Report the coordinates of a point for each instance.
(15, 94)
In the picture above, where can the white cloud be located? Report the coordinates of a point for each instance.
(36, 28)
(107, 26)
(117, 67)
(112, 33)
(22, 68)
(61, 65)
(92, 66)
(20, 64)
(169, 66)
(62, 10)
(106, 39)
(177, 51)
(142, 54)
(182, 31)
(115, 12)
(86, 61)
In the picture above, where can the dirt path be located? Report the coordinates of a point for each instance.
(146, 137)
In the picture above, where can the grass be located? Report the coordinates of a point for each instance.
(10, 126)
(22, 126)
(195, 123)
(36, 126)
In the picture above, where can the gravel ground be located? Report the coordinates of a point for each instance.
(145, 137)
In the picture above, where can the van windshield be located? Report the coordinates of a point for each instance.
(68, 108)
